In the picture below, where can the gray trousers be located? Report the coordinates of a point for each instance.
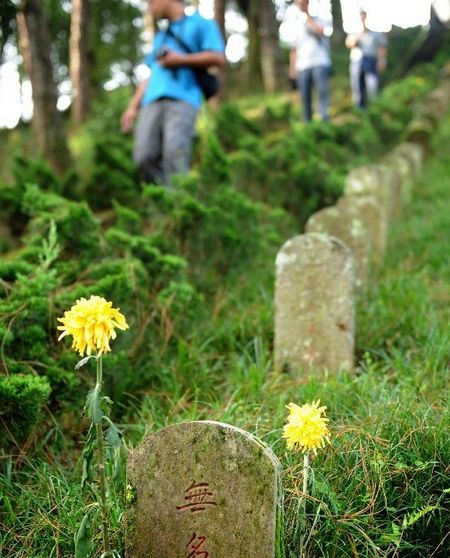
(163, 139)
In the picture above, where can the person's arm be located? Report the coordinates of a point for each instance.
(315, 27)
(209, 49)
(204, 59)
(293, 63)
(129, 116)
(351, 41)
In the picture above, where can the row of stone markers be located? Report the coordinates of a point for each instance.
(209, 490)
(318, 273)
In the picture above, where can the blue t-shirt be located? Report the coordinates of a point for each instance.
(199, 34)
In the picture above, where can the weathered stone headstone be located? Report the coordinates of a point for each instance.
(391, 176)
(203, 489)
(405, 172)
(314, 305)
(366, 181)
(413, 153)
(368, 210)
(428, 110)
(345, 223)
(420, 131)
(436, 103)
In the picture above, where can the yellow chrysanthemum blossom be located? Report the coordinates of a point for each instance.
(306, 428)
(92, 324)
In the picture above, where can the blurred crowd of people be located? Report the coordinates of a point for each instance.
(164, 108)
(310, 60)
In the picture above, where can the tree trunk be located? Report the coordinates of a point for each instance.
(269, 44)
(338, 36)
(8, 15)
(35, 45)
(79, 60)
(426, 45)
(254, 45)
(219, 15)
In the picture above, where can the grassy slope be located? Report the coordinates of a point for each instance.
(390, 452)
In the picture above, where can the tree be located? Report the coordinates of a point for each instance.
(8, 15)
(219, 14)
(35, 46)
(430, 44)
(79, 72)
(269, 44)
(263, 48)
(114, 39)
(338, 26)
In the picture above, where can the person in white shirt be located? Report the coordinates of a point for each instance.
(310, 59)
(368, 51)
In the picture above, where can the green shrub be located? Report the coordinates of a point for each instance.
(213, 167)
(35, 171)
(78, 229)
(114, 175)
(22, 398)
(231, 126)
(127, 219)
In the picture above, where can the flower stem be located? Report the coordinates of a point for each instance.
(303, 504)
(101, 466)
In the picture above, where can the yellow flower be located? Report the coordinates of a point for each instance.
(306, 428)
(91, 324)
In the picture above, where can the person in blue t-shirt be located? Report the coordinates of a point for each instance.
(170, 99)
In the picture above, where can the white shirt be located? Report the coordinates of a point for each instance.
(312, 50)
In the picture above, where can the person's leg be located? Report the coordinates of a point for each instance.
(321, 75)
(147, 142)
(178, 133)
(355, 82)
(363, 88)
(304, 81)
(371, 85)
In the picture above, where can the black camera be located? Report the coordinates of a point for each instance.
(163, 51)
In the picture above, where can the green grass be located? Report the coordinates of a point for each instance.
(382, 487)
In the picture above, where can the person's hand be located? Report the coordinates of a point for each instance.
(310, 23)
(172, 59)
(127, 119)
(293, 74)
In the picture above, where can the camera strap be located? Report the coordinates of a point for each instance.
(179, 40)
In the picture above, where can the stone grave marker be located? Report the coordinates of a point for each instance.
(314, 305)
(346, 223)
(420, 131)
(413, 153)
(368, 210)
(405, 171)
(366, 181)
(203, 489)
(436, 103)
(390, 175)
